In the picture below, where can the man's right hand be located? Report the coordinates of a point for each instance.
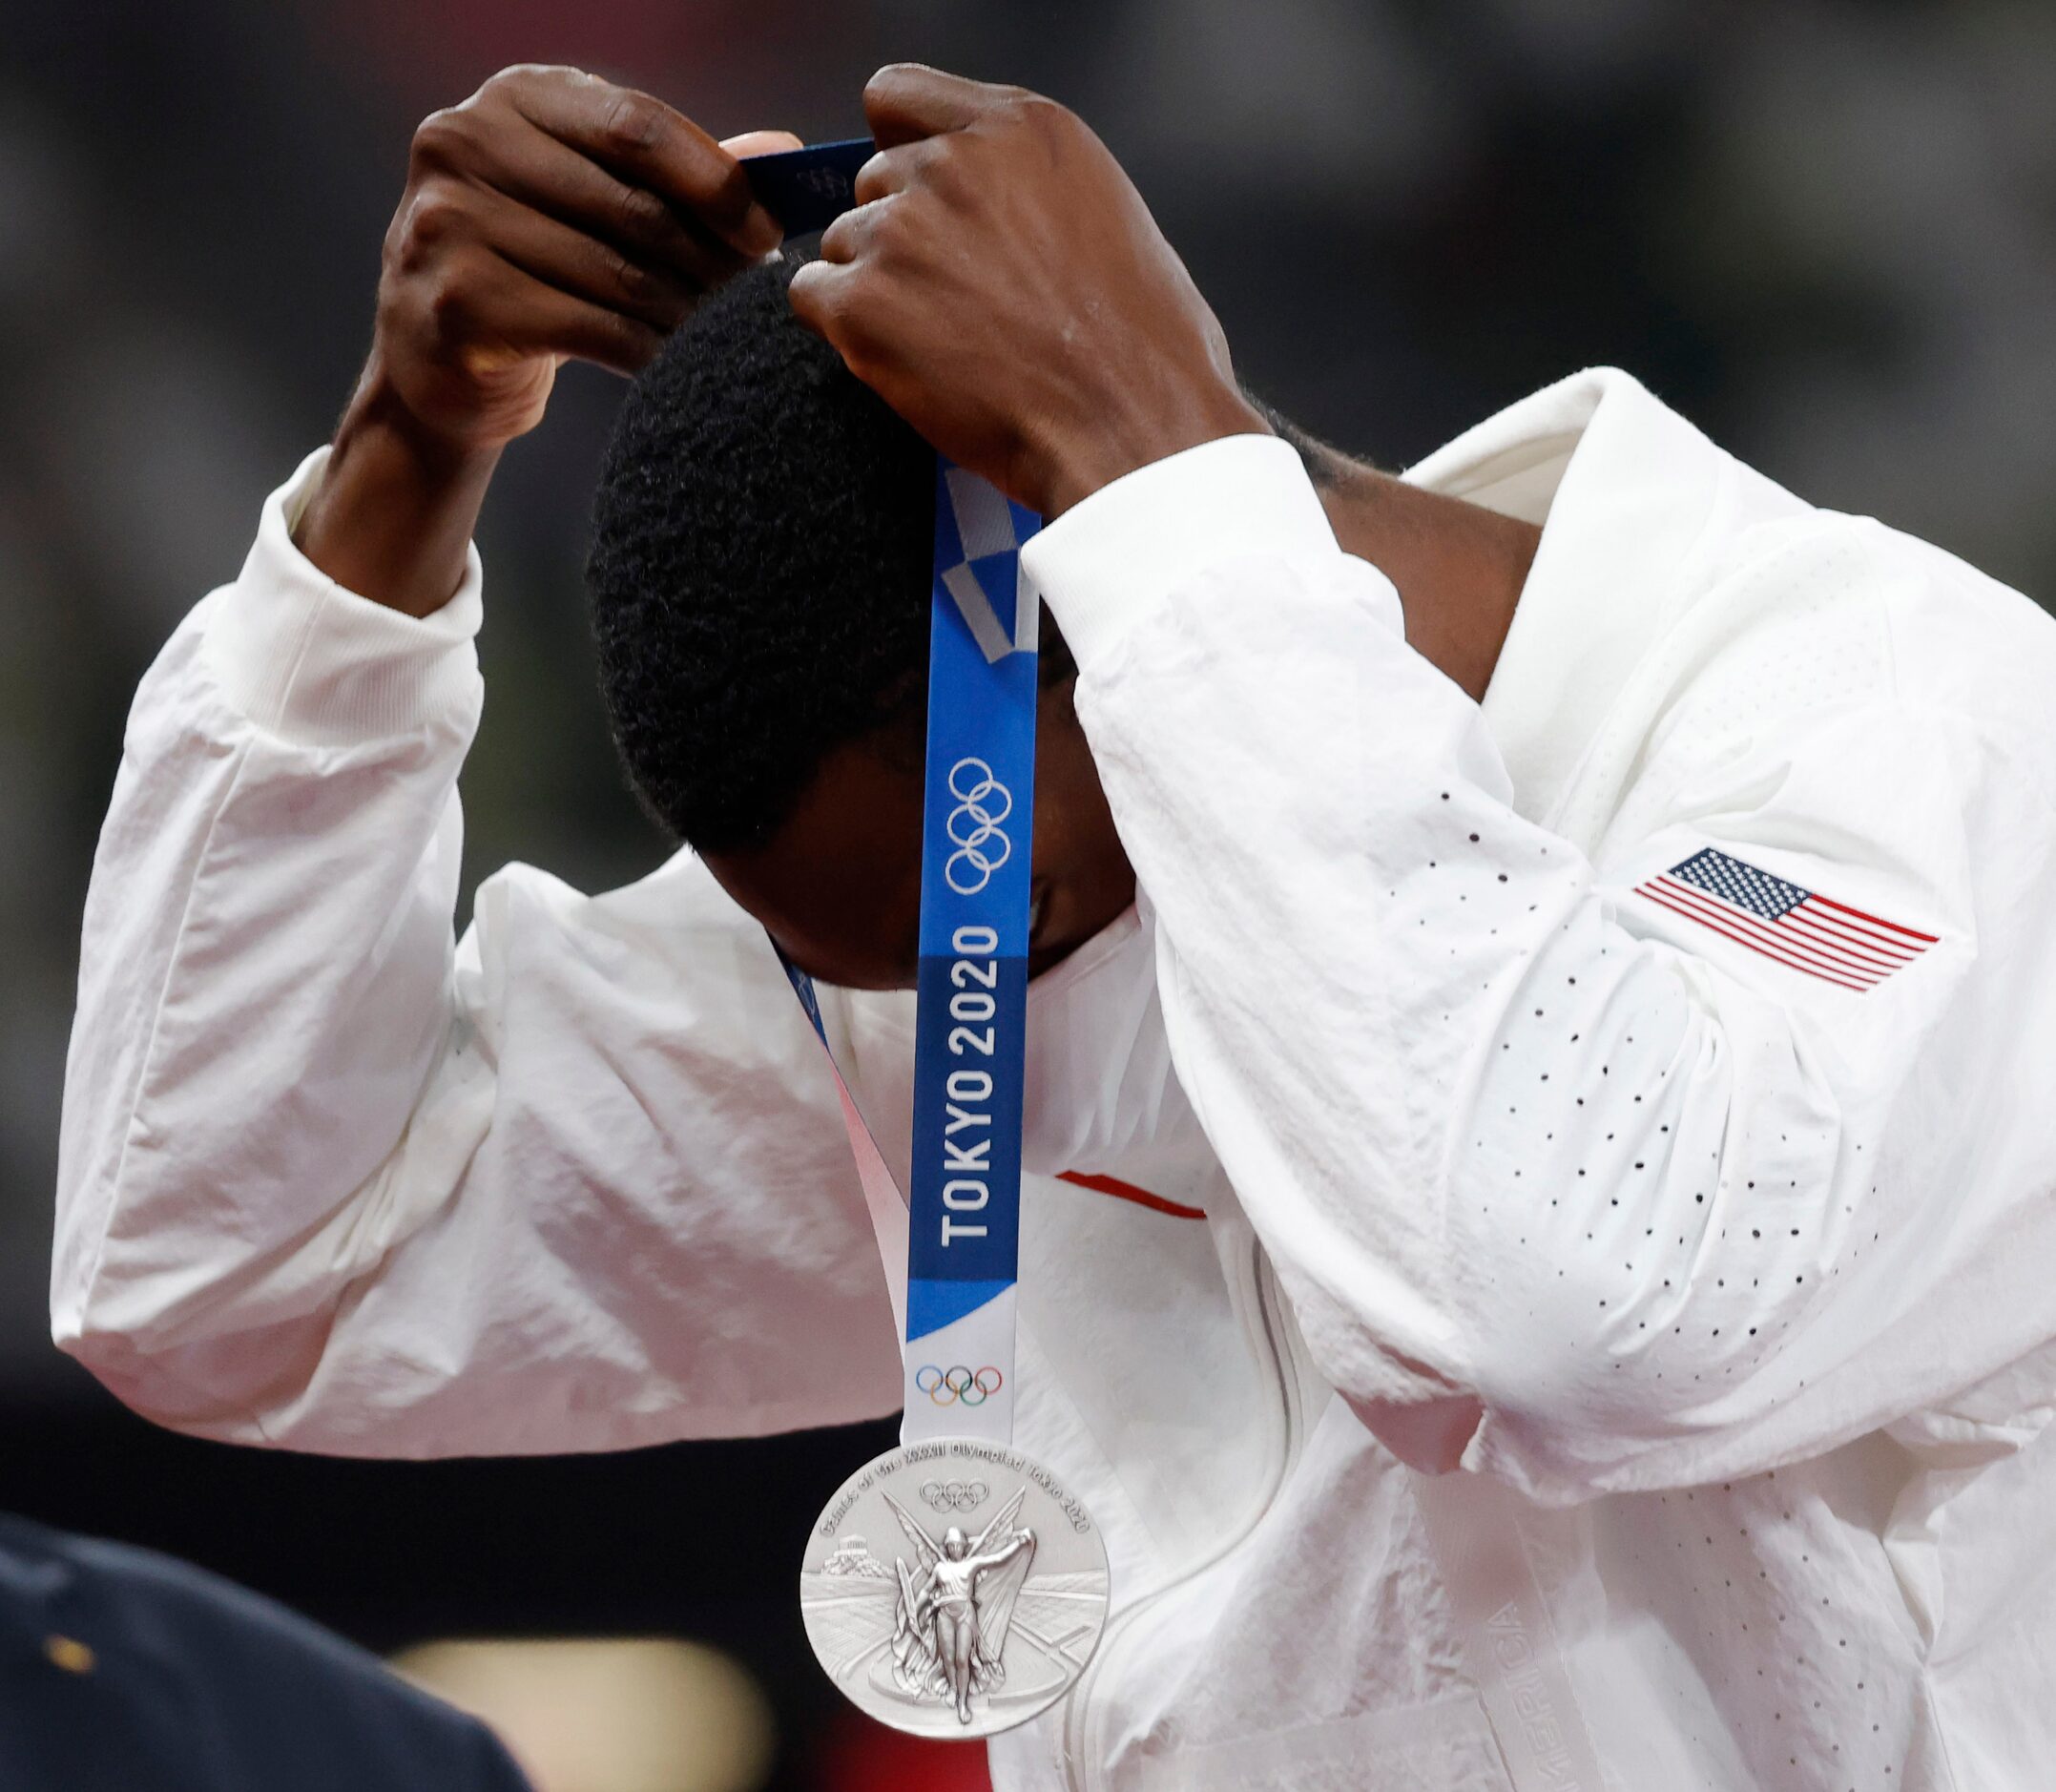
(550, 217)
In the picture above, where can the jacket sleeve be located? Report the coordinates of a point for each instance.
(330, 1179)
(1561, 1186)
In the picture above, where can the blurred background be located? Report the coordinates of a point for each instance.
(1825, 231)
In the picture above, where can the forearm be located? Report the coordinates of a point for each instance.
(1454, 1096)
(266, 961)
(1508, 1133)
(550, 217)
(332, 1180)
(1534, 1184)
(393, 517)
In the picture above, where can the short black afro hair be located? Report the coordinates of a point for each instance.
(761, 554)
(762, 548)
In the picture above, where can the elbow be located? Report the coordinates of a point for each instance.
(1423, 1416)
(215, 1390)
(1429, 1436)
(111, 1360)
(182, 1331)
(1580, 1402)
(1555, 1414)
(128, 1374)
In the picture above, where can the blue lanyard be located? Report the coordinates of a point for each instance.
(963, 1219)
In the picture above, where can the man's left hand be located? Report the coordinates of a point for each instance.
(1002, 286)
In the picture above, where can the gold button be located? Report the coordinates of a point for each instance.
(69, 1654)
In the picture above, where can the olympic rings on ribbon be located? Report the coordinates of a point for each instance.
(982, 804)
(955, 1384)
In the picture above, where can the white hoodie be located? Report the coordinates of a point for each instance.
(1617, 1347)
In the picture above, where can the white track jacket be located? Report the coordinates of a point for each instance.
(1562, 1288)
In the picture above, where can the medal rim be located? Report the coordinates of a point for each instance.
(987, 1724)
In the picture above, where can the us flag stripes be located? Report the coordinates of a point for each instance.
(1798, 928)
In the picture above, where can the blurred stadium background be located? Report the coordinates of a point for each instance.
(1826, 231)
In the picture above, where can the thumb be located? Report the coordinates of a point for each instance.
(906, 101)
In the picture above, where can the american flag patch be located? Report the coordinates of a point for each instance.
(1799, 930)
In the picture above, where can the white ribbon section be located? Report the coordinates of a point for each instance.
(960, 1379)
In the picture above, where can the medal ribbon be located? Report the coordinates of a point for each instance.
(958, 1238)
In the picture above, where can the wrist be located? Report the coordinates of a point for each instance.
(379, 425)
(393, 517)
(1122, 439)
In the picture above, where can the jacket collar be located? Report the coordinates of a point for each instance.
(1623, 488)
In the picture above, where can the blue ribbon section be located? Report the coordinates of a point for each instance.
(977, 839)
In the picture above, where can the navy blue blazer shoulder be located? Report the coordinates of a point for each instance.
(195, 1684)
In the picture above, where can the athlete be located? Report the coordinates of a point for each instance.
(947, 1607)
(1539, 1253)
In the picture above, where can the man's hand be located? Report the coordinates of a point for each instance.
(1006, 290)
(550, 217)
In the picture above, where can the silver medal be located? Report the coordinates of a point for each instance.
(954, 1588)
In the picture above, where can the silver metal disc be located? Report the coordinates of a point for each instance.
(954, 1588)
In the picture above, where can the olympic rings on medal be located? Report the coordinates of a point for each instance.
(957, 1496)
(982, 804)
(955, 1384)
